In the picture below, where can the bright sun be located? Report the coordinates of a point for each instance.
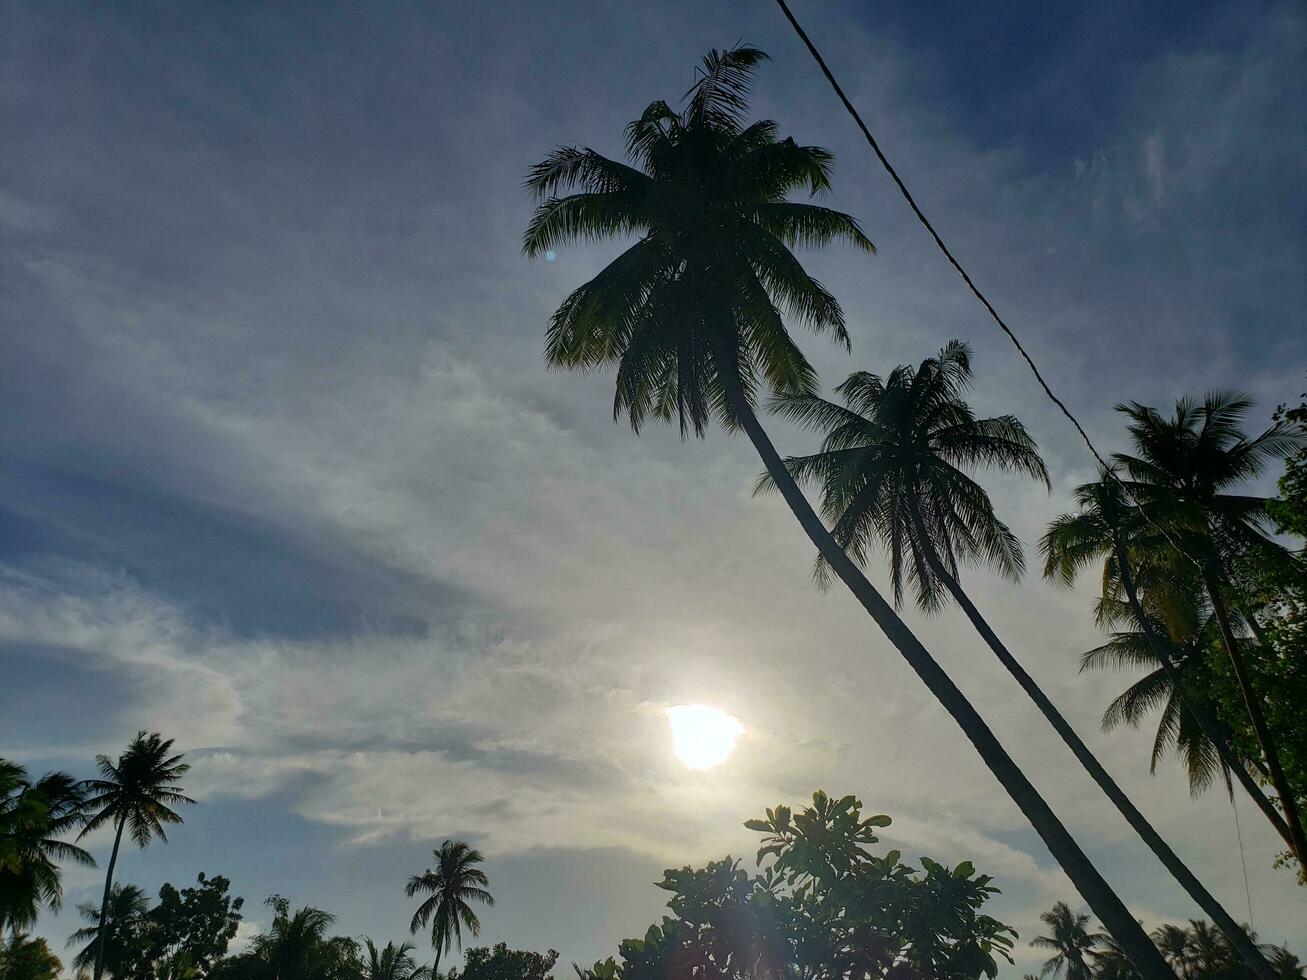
(702, 737)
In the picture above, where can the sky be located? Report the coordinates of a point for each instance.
(283, 474)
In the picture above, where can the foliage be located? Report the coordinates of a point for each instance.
(897, 449)
(138, 791)
(124, 923)
(200, 921)
(392, 963)
(1070, 940)
(452, 884)
(821, 907)
(183, 935)
(34, 815)
(295, 947)
(1289, 511)
(502, 963)
(694, 305)
(23, 958)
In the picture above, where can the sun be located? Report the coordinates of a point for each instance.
(702, 737)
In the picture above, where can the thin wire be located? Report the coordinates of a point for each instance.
(1242, 860)
(975, 290)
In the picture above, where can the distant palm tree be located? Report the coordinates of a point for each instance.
(691, 316)
(33, 818)
(453, 883)
(393, 963)
(1184, 470)
(135, 794)
(1070, 939)
(893, 469)
(107, 941)
(1109, 960)
(1106, 528)
(297, 947)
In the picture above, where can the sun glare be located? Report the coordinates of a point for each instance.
(702, 737)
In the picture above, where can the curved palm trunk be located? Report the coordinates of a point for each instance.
(1254, 708)
(104, 905)
(1110, 910)
(1248, 951)
(1199, 713)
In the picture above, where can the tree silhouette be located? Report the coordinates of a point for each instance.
(892, 469)
(691, 316)
(33, 817)
(452, 884)
(392, 963)
(1071, 941)
(135, 794)
(1183, 470)
(1107, 528)
(112, 938)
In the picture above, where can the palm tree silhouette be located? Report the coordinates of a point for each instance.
(111, 925)
(1106, 528)
(1070, 939)
(691, 315)
(892, 469)
(1189, 633)
(453, 883)
(393, 963)
(1183, 470)
(135, 794)
(33, 816)
(297, 947)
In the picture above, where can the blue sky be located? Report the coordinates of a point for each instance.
(283, 474)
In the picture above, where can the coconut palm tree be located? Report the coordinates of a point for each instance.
(1071, 941)
(33, 818)
(297, 947)
(1106, 528)
(452, 884)
(135, 794)
(1108, 960)
(1189, 635)
(1184, 470)
(107, 942)
(892, 469)
(393, 963)
(691, 316)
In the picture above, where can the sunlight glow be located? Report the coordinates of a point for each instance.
(702, 737)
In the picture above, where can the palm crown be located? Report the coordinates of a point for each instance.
(897, 450)
(1070, 939)
(126, 907)
(700, 293)
(1184, 467)
(1187, 633)
(138, 790)
(452, 884)
(392, 963)
(33, 816)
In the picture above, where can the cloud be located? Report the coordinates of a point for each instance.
(289, 470)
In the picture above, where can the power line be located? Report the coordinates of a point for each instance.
(1244, 862)
(975, 290)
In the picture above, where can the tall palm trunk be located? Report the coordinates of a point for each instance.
(1110, 910)
(104, 905)
(1254, 708)
(1197, 711)
(1248, 951)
